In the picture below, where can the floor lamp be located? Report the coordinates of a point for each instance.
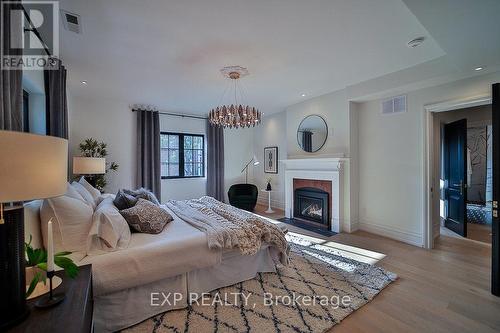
(255, 163)
(31, 167)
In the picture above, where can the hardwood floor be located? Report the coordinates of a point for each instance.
(446, 289)
(479, 232)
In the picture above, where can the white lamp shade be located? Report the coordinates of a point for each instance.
(32, 166)
(89, 165)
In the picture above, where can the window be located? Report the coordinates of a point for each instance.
(182, 155)
(26, 111)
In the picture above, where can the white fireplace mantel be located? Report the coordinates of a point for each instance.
(329, 169)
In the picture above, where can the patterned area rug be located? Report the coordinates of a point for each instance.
(315, 292)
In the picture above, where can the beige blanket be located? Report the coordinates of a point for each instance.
(228, 227)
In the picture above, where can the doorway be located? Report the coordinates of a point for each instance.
(431, 207)
(465, 172)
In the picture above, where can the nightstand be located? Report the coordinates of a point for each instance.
(74, 314)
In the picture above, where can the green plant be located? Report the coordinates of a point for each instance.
(90, 147)
(38, 258)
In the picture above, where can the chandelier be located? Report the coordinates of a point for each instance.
(235, 115)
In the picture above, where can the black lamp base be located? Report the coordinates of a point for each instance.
(51, 299)
(12, 322)
(13, 308)
(48, 302)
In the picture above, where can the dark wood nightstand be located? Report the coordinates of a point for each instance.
(74, 314)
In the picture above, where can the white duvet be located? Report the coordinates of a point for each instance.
(178, 249)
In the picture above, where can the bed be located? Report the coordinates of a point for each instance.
(132, 284)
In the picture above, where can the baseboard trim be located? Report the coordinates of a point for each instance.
(391, 232)
(354, 225)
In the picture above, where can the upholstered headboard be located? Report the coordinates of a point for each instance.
(32, 223)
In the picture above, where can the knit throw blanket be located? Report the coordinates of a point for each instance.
(228, 227)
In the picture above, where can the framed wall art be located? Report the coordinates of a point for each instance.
(271, 159)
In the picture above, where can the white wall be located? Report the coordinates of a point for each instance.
(238, 150)
(333, 108)
(391, 159)
(187, 188)
(272, 132)
(110, 121)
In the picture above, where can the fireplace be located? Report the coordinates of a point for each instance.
(312, 204)
(319, 173)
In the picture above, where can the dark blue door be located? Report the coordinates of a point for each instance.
(455, 170)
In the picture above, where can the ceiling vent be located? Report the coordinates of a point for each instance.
(72, 22)
(394, 105)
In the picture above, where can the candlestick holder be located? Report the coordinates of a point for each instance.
(51, 299)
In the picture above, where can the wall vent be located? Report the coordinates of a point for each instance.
(394, 105)
(72, 22)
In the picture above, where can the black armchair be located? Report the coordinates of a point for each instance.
(243, 196)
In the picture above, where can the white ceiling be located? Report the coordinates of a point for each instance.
(168, 53)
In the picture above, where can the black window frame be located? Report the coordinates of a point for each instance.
(181, 154)
(26, 111)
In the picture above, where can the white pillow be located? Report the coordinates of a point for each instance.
(109, 231)
(71, 222)
(87, 197)
(73, 193)
(92, 190)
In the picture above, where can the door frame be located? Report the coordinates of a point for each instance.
(429, 172)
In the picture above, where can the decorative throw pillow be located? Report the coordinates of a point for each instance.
(146, 217)
(71, 222)
(124, 200)
(109, 230)
(143, 194)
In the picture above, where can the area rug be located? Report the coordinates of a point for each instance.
(315, 292)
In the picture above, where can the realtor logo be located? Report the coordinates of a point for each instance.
(30, 35)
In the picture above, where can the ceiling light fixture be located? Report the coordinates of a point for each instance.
(477, 69)
(303, 95)
(84, 83)
(416, 42)
(235, 115)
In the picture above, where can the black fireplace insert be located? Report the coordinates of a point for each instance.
(311, 204)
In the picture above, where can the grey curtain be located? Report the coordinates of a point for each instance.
(307, 141)
(148, 151)
(56, 101)
(11, 90)
(215, 161)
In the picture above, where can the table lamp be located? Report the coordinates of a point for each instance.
(31, 167)
(89, 167)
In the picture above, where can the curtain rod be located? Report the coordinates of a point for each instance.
(174, 114)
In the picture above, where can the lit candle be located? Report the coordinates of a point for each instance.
(50, 248)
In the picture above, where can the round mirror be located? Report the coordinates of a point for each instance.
(312, 133)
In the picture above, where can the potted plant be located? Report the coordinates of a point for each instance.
(90, 147)
(36, 265)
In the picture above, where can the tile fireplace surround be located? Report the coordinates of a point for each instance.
(311, 172)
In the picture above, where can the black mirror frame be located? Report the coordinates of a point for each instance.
(326, 137)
